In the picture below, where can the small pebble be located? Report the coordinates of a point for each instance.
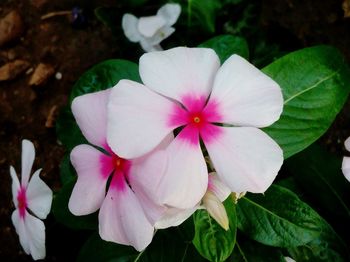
(41, 74)
(11, 27)
(58, 75)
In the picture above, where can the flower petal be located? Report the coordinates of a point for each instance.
(28, 155)
(31, 231)
(138, 119)
(174, 217)
(217, 187)
(245, 95)
(347, 144)
(122, 219)
(93, 169)
(245, 158)
(144, 177)
(90, 112)
(15, 185)
(39, 196)
(186, 179)
(346, 167)
(149, 25)
(216, 209)
(129, 25)
(159, 36)
(180, 71)
(170, 13)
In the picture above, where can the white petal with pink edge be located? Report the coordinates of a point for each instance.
(186, 179)
(31, 231)
(180, 71)
(122, 219)
(28, 155)
(245, 158)
(217, 187)
(138, 119)
(90, 112)
(15, 185)
(246, 96)
(39, 196)
(93, 169)
(346, 167)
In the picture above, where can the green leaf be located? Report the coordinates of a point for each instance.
(227, 45)
(319, 174)
(210, 239)
(327, 247)
(277, 218)
(170, 246)
(315, 83)
(63, 215)
(67, 130)
(247, 250)
(203, 13)
(96, 249)
(67, 172)
(105, 75)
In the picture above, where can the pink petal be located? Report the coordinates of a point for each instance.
(31, 232)
(28, 155)
(186, 178)
(346, 167)
(217, 187)
(137, 119)
(122, 219)
(245, 95)
(39, 196)
(15, 185)
(347, 144)
(149, 25)
(129, 25)
(93, 169)
(144, 177)
(245, 159)
(180, 71)
(90, 112)
(170, 13)
(174, 217)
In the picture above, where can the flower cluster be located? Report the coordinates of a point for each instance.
(145, 167)
(151, 30)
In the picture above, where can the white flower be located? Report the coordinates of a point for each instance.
(34, 195)
(346, 161)
(151, 30)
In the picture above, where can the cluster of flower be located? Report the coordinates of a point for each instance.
(184, 139)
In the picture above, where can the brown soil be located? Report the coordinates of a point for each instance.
(29, 111)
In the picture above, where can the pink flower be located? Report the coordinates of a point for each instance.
(126, 213)
(33, 195)
(346, 161)
(224, 107)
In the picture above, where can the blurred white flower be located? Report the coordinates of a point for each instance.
(151, 30)
(34, 195)
(346, 161)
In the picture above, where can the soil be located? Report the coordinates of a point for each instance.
(29, 111)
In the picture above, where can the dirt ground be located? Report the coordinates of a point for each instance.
(29, 111)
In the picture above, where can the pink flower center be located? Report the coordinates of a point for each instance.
(22, 201)
(198, 119)
(119, 168)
